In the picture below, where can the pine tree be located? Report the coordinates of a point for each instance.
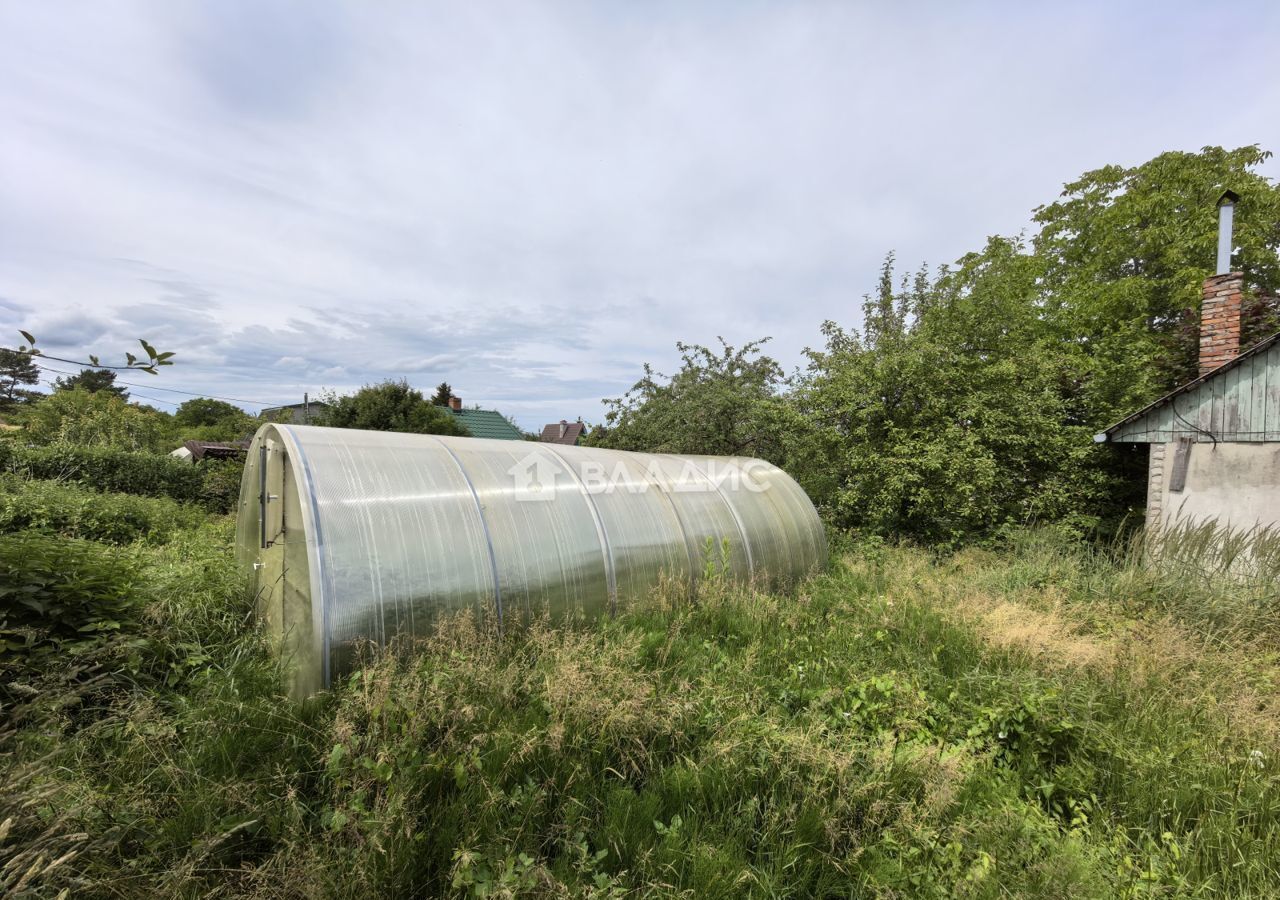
(443, 392)
(16, 369)
(92, 380)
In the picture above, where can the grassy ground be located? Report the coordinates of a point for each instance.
(1039, 722)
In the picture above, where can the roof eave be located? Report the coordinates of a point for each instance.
(1103, 436)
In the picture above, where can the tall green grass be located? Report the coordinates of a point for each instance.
(853, 737)
(1220, 581)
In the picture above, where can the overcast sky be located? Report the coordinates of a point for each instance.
(530, 200)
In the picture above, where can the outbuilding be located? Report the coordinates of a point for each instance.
(1215, 441)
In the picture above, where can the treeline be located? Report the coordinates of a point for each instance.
(90, 410)
(87, 433)
(965, 402)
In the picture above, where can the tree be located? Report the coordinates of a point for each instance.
(100, 419)
(1125, 251)
(389, 406)
(92, 380)
(442, 395)
(202, 411)
(724, 402)
(953, 413)
(206, 419)
(965, 403)
(16, 369)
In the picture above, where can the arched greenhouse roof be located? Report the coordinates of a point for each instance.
(364, 534)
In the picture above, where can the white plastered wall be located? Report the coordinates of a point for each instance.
(1236, 483)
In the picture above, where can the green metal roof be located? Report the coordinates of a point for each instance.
(488, 423)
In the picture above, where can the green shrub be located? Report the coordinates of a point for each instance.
(56, 591)
(125, 471)
(75, 511)
(220, 483)
(84, 418)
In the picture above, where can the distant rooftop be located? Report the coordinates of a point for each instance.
(562, 432)
(488, 423)
(297, 413)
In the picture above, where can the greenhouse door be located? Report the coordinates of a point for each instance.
(283, 571)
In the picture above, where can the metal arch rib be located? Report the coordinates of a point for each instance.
(484, 524)
(653, 479)
(610, 570)
(733, 511)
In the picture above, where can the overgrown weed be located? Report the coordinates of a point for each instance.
(866, 733)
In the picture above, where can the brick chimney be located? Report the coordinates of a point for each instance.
(455, 403)
(1220, 320)
(564, 426)
(1220, 304)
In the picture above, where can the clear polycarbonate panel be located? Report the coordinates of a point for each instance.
(644, 537)
(550, 553)
(401, 529)
(712, 531)
(782, 527)
(399, 533)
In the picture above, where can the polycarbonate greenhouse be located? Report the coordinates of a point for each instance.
(368, 534)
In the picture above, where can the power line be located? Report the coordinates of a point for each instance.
(54, 385)
(156, 387)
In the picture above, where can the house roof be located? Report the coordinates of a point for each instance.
(215, 449)
(1239, 400)
(488, 423)
(562, 432)
(297, 405)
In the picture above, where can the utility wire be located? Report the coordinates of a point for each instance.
(156, 387)
(1173, 406)
(54, 385)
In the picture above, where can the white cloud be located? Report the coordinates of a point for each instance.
(529, 200)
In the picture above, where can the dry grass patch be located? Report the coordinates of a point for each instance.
(1234, 679)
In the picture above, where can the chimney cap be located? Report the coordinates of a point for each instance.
(1228, 197)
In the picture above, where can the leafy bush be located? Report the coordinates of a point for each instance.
(220, 483)
(129, 472)
(76, 511)
(56, 591)
(389, 406)
(96, 419)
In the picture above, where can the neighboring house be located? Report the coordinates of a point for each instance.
(562, 432)
(485, 423)
(1215, 442)
(303, 413)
